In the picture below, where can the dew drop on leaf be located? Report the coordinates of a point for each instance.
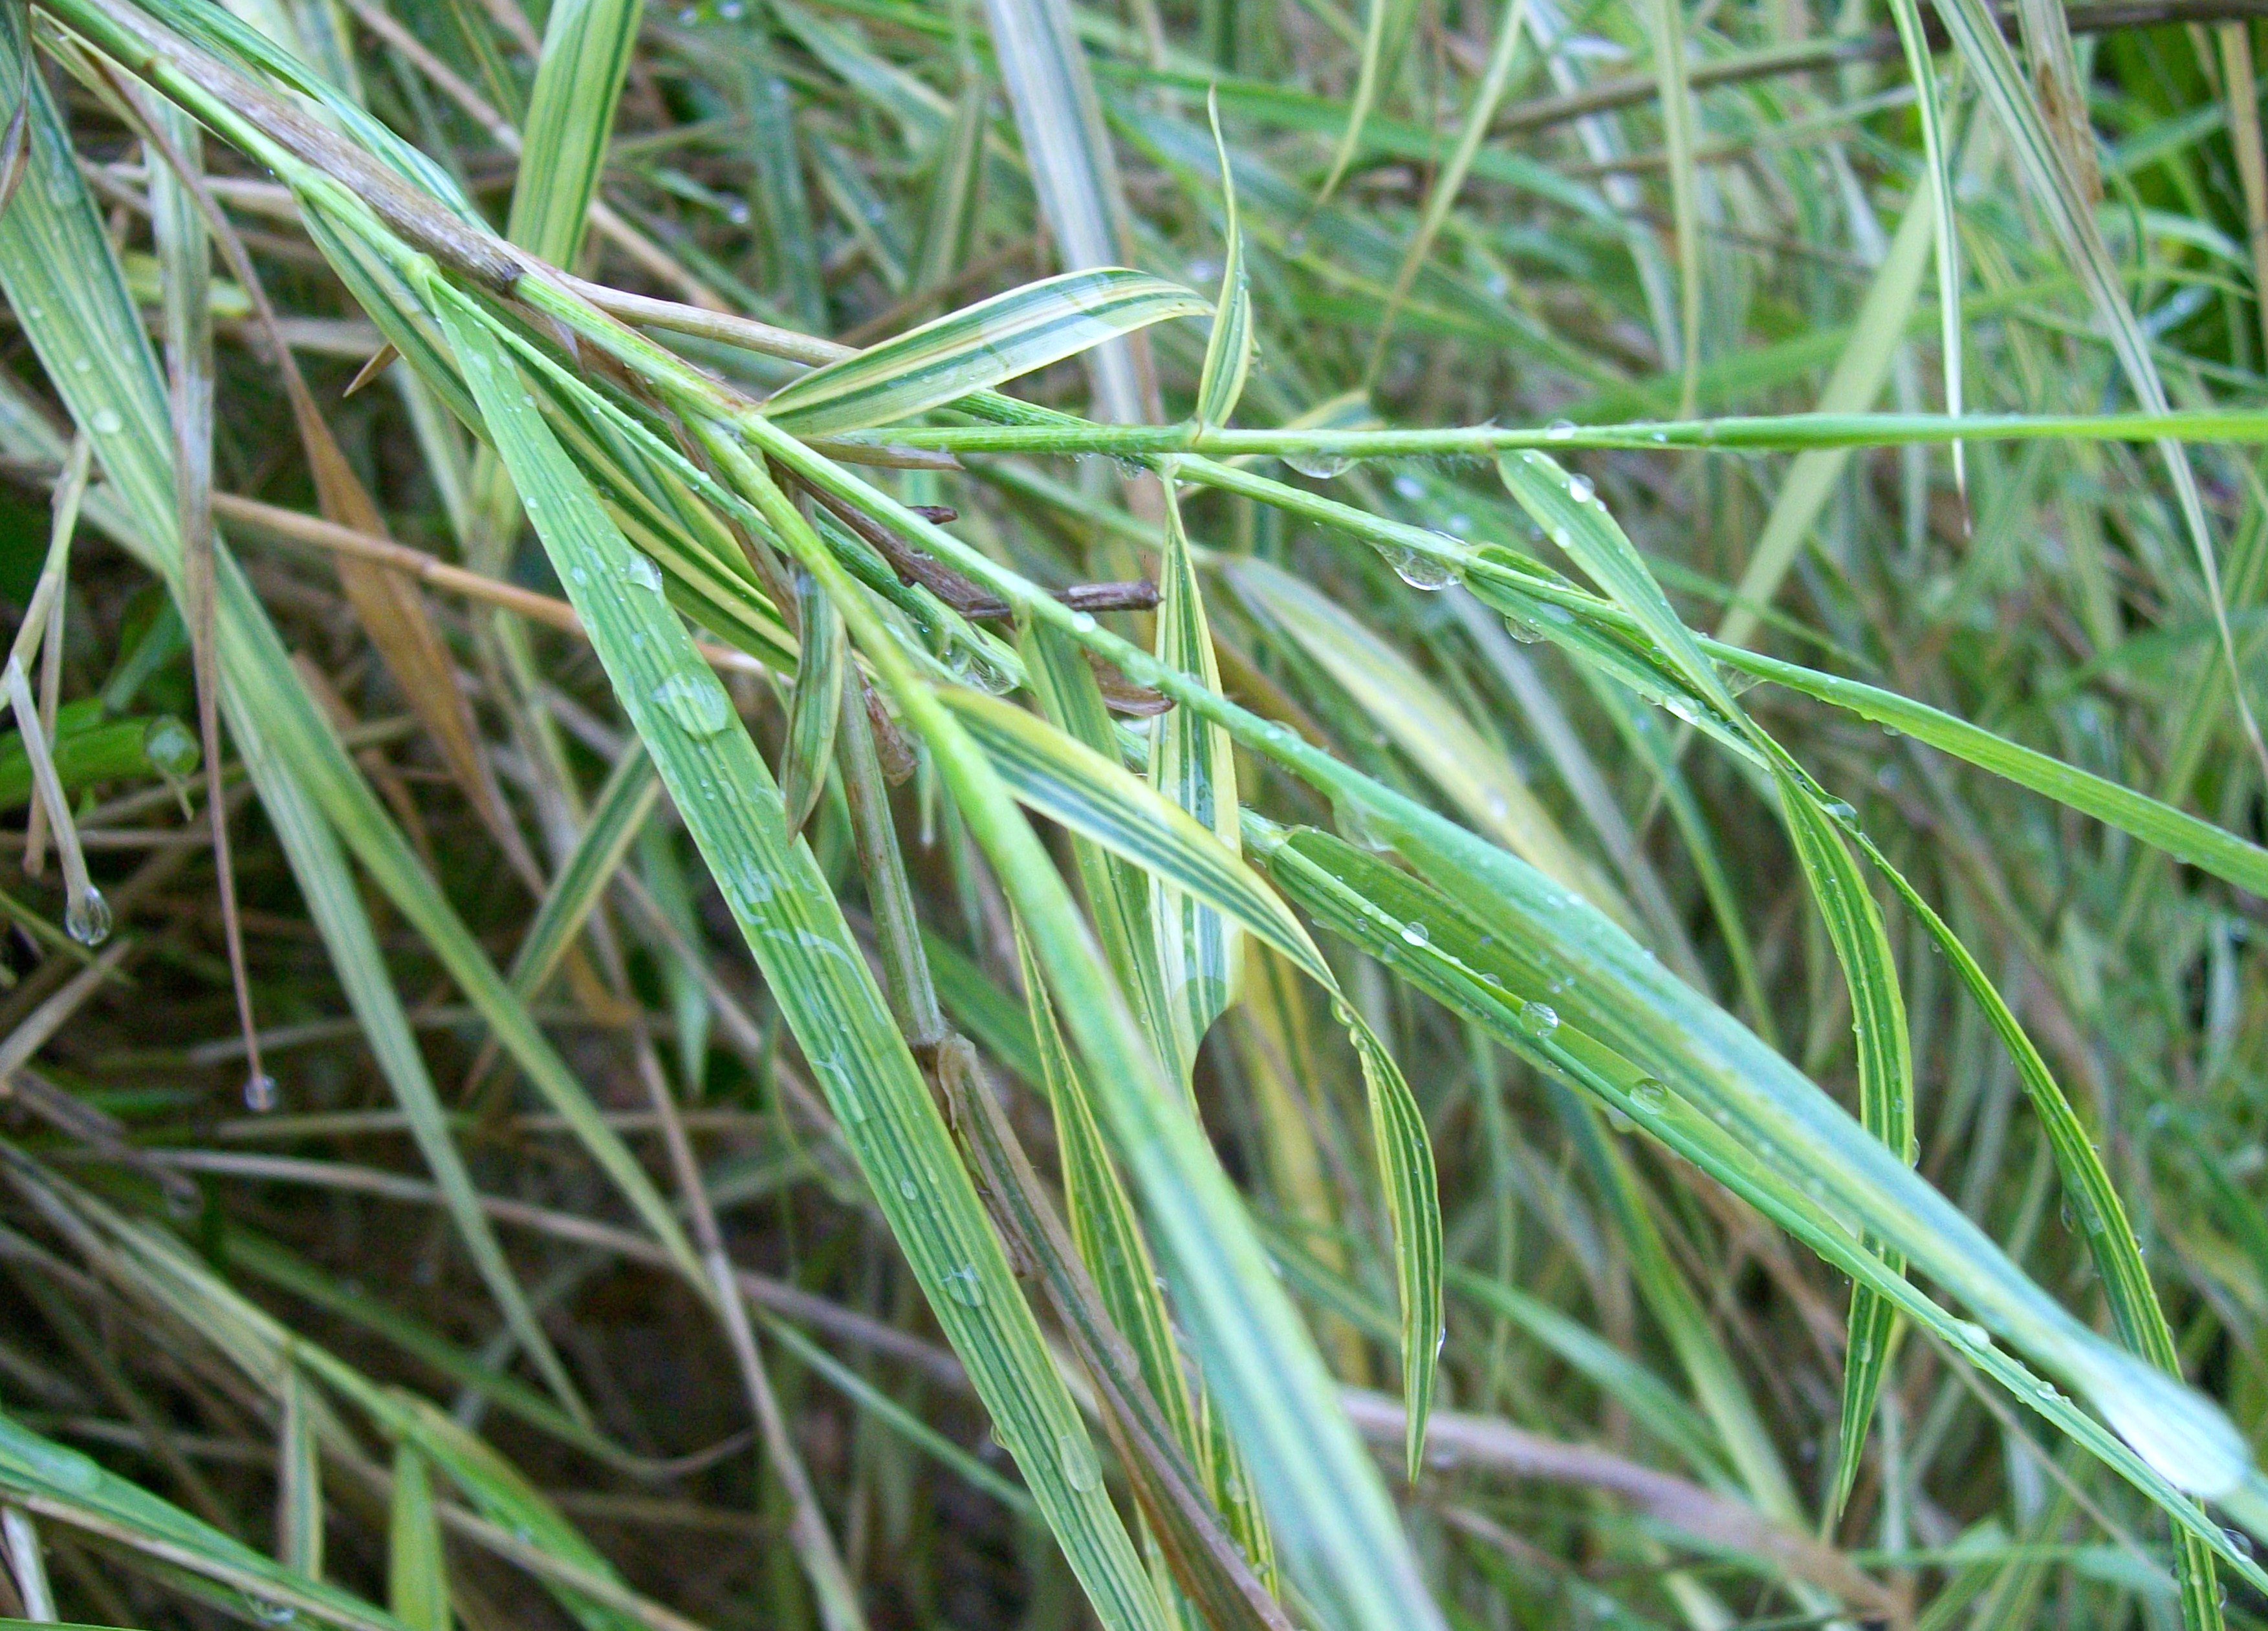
(695, 702)
(1076, 1457)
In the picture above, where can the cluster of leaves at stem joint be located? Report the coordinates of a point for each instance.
(793, 558)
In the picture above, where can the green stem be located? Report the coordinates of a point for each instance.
(1759, 433)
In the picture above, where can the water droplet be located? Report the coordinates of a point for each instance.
(1356, 827)
(1684, 707)
(908, 1188)
(87, 919)
(1543, 1016)
(693, 698)
(1581, 490)
(1618, 1122)
(1417, 934)
(1650, 1096)
(1842, 810)
(977, 669)
(1076, 1457)
(644, 573)
(1560, 429)
(106, 422)
(1409, 487)
(1321, 466)
(1419, 571)
(964, 1288)
(1972, 1336)
(1083, 621)
(578, 574)
(169, 745)
(260, 1092)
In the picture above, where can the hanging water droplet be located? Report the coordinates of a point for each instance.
(1559, 429)
(87, 919)
(976, 668)
(1321, 466)
(1076, 1457)
(1543, 1016)
(1417, 934)
(1083, 621)
(260, 1092)
(1842, 810)
(1355, 825)
(171, 746)
(1581, 489)
(106, 422)
(1618, 1122)
(1419, 571)
(1684, 707)
(1650, 1096)
(644, 573)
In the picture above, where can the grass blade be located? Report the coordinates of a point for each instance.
(815, 703)
(1192, 764)
(417, 1571)
(50, 1480)
(1052, 93)
(570, 116)
(1228, 351)
(299, 1484)
(977, 348)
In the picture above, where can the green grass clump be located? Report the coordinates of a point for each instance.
(854, 815)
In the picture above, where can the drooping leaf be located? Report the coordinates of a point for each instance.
(977, 348)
